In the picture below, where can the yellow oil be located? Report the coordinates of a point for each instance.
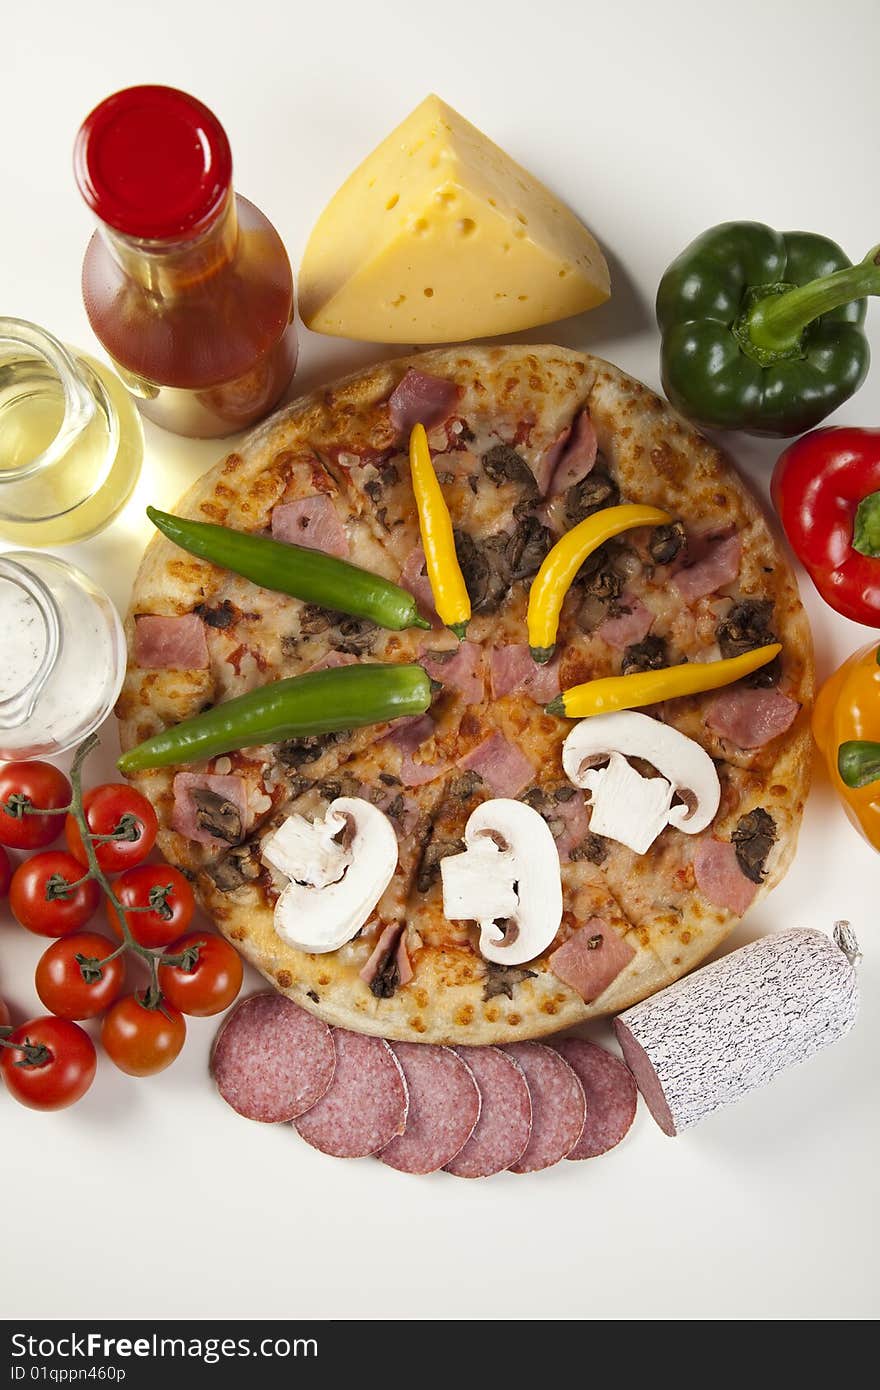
(85, 489)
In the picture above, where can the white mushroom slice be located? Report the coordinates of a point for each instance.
(630, 808)
(338, 867)
(507, 881)
(626, 806)
(309, 851)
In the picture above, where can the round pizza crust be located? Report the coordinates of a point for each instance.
(657, 458)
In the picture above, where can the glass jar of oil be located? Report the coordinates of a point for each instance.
(71, 441)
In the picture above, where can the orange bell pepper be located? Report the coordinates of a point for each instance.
(846, 727)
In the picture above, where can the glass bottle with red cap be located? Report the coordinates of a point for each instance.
(186, 284)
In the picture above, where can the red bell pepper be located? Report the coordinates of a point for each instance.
(826, 489)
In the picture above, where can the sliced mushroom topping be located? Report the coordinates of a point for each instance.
(463, 787)
(338, 867)
(484, 569)
(591, 494)
(374, 489)
(386, 979)
(507, 881)
(313, 619)
(429, 868)
(547, 809)
(537, 798)
(667, 542)
(220, 615)
(592, 847)
(237, 868)
(746, 626)
(626, 563)
(599, 575)
(504, 465)
(296, 752)
(527, 548)
(753, 839)
(341, 784)
(356, 636)
(298, 786)
(216, 815)
(626, 805)
(651, 654)
(502, 979)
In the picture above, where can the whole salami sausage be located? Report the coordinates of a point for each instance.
(505, 1124)
(610, 1093)
(558, 1106)
(271, 1060)
(366, 1104)
(714, 1036)
(444, 1106)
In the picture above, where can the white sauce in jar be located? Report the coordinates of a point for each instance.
(73, 695)
(22, 639)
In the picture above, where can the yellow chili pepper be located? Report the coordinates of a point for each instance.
(554, 578)
(846, 727)
(610, 693)
(447, 582)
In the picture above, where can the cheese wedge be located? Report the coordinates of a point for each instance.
(440, 236)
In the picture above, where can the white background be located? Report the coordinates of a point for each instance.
(653, 121)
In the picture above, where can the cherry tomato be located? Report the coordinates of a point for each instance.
(212, 982)
(52, 1066)
(115, 809)
(139, 1040)
(27, 784)
(64, 989)
(4, 1014)
(42, 899)
(161, 888)
(5, 873)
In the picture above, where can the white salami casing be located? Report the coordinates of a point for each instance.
(721, 1032)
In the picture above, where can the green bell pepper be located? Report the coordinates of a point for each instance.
(762, 330)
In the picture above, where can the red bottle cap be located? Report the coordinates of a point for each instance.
(153, 162)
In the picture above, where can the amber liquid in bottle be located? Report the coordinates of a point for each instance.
(200, 329)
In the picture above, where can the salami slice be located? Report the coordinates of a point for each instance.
(444, 1106)
(719, 1033)
(271, 1060)
(558, 1106)
(366, 1104)
(505, 1124)
(610, 1091)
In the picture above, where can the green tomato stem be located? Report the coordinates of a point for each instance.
(775, 322)
(34, 1054)
(95, 871)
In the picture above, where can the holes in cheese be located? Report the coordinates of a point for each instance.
(440, 236)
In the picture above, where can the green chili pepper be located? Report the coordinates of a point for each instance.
(293, 569)
(762, 330)
(320, 702)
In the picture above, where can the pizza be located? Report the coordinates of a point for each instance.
(526, 442)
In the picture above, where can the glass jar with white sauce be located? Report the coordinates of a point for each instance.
(62, 655)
